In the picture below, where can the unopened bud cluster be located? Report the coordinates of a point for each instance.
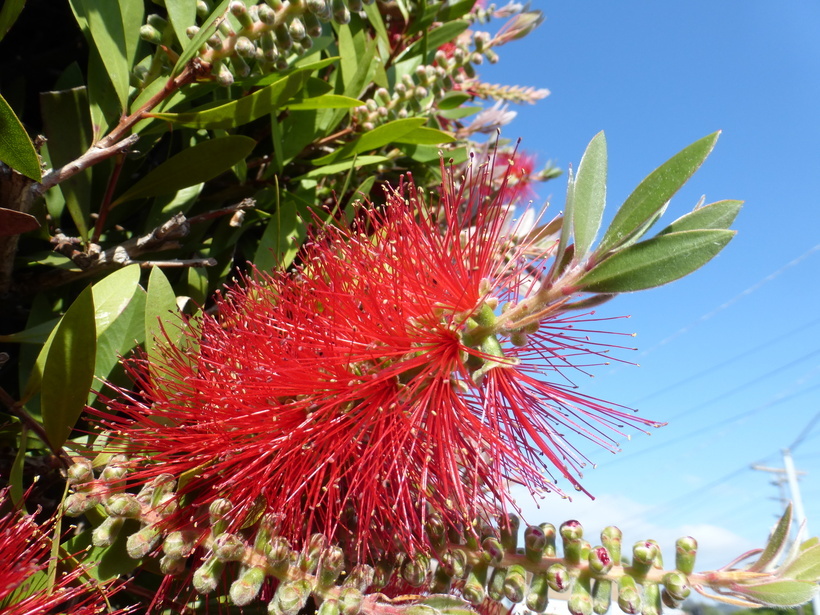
(483, 561)
(260, 38)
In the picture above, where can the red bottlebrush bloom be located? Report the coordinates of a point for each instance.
(519, 173)
(370, 387)
(25, 548)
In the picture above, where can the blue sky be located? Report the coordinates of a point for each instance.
(730, 356)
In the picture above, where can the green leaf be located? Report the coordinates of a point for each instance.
(656, 261)
(327, 101)
(282, 238)
(590, 195)
(720, 214)
(37, 334)
(192, 165)
(654, 191)
(67, 125)
(69, 369)
(452, 100)
(454, 10)
(181, 14)
(435, 38)
(337, 167)
(805, 567)
(448, 605)
(374, 139)
(16, 149)
(105, 563)
(777, 542)
(246, 109)
(566, 228)
(161, 314)
(105, 25)
(426, 136)
(780, 593)
(8, 15)
(206, 30)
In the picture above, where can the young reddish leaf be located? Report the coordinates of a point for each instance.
(16, 222)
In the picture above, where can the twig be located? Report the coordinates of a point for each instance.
(105, 206)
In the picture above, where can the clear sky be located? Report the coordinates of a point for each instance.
(730, 356)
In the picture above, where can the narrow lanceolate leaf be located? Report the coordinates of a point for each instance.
(160, 313)
(69, 369)
(9, 13)
(654, 191)
(246, 109)
(374, 139)
(105, 24)
(804, 567)
(720, 214)
(781, 593)
(281, 240)
(181, 14)
(426, 136)
(205, 32)
(777, 542)
(656, 261)
(16, 149)
(590, 195)
(191, 166)
(326, 101)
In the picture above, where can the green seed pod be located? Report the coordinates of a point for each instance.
(360, 577)
(599, 560)
(651, 599)
(179, 544)
(515, 583)
(415, 571)
(601, 596)
(538, 596)
(580, 600)
(206, 578)
(80, 473)
(534, 543)
(143, 542)
(229, 547)
(106, 532)
(493, 551)
(495, 588)
(686, 549)
(330, 606)
(171, 565)
(629, 600)
(77, 504)
(611, 538)
(677, 585)
(351, 600)
(246, 588)
(341, 15)
(473, 590)
(123, 505)
(558, 577)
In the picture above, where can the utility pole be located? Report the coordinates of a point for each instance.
(791, 475)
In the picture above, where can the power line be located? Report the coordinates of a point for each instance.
(805, 431)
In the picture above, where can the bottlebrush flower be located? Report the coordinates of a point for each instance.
(370, 387)
(24, 557)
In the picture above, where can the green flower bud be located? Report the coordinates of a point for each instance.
(600, 561)
(629, 600)
(515, 583)
(297, 29)
(206, 577)
(290, 597)
(309, 559)
(240, 67)
(454, 563)
(508, 530)
(351, 600)
(558, 577)
(549, 535)
(279, 550)
(313, 26)
(305, 44)
(80, 473)
(283, 38)
(495, 588)
(580, 600)
(576, 551)
(538, 596)
(686, 549)
(203, 9)
(493, 551)
(360, 577)
(123, 505)
(215, 42)
(571, 530)
(245, 589)
(601, 596)
(330, 607)
(150, 35)
(651, 599)
(534, 543)
(106, 533)
(240, 11)
(330, 566)
(170, 565)
(677, 585)
(143, 542)
(179, 544)
(164, 484)
(492, 56)
(229, 547)
(340, 13)
(244, 47)
(77, 504)
(415, 571)
(217, 512)
(355, 5)
(274, 4)
(441, 581)
(318, 7)
(436, 532)
(266, 15)
(611, 538)
(473, 590)
(668, 600)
